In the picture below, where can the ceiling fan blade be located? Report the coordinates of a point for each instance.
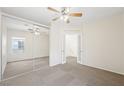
(75, 14)
(52, 9)
(55, 18)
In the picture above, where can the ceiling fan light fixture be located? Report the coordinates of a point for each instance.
(67, 10)
(37, 33)
(65, 14)
(34, 29)
(62, 17)
(66, 17)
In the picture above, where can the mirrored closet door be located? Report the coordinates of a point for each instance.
(17, 48)
(41, 49)
(25, 48)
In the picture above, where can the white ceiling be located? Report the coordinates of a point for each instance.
(17, 25)
(44, 16)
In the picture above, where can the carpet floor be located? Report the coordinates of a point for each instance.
(69, 74)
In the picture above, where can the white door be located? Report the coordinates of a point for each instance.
(81, 51)
(79, 57)
(63, 49)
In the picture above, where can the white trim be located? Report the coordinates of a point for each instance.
(0, 46)
(79, 56)
(24, 20)
(79, 34)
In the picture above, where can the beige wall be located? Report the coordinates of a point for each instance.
(35, 46)
(105, 43)
(55, 44)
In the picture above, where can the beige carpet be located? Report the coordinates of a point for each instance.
(67, 74)
(19, 67)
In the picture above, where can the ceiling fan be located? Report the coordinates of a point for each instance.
(65, 14)
(34, 29)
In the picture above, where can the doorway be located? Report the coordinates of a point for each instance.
(71, 49)
(71, 52)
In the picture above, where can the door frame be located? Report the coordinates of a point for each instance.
(63, 53)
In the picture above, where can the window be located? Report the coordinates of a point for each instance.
(18, 45)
